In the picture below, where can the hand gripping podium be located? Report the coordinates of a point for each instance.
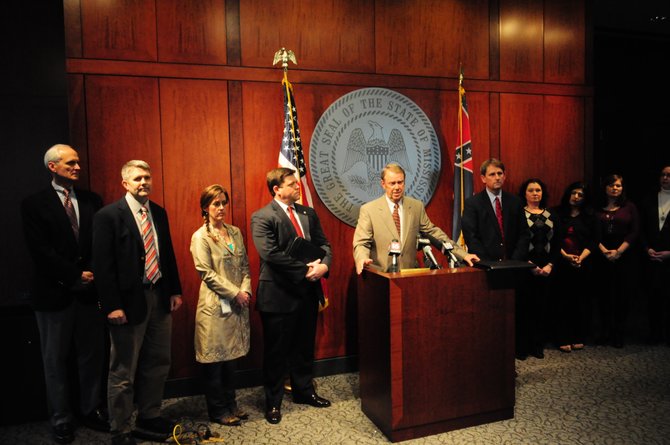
(436, 350)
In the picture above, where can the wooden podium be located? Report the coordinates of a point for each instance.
(436, 351)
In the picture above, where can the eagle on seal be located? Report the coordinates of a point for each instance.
(375, 152)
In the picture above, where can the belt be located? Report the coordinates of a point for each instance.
(151, 286)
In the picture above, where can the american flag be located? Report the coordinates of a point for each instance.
(463, 187)
(290, 153)
(291, 156)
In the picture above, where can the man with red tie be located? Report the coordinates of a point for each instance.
(139, 287)
(58, 227)
(494, 224)
(288, 292)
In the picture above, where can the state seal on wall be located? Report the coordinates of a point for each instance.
(357, 136)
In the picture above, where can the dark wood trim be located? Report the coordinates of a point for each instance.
(494, 125)
(182, 71)
(72, 18)
(233, 45)
(494, 40)
(237, 162)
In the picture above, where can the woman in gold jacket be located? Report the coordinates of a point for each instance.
(222, 317)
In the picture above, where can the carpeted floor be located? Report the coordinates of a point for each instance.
(598, 396)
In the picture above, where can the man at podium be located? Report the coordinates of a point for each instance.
(389, 226)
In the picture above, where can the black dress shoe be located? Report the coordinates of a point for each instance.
(123, 439)
(273, 415)
(156, 425)
(63, 433)
(521, 356)
(156, 429)
(312, 399)
(96, 420)
(538, 353)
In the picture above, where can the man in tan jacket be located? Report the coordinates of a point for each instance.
(395, 217)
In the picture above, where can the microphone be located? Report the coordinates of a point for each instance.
(394, 253)
(428, 257)
(444, 247)
(447, 250)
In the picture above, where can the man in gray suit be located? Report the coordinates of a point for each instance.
(395, 216)
(139, 288)
(288, 292)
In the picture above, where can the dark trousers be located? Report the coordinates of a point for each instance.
(219, 384)
(531, 314)
(571, 303)
(289, 349)
(138, 365)
(659, 301)
(614, 289)
(79, 327)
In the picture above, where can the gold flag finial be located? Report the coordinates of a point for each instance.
(283, 56)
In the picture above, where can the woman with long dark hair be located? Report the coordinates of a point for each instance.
(618, 227)
(577, 240)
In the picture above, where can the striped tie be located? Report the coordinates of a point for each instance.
(396, 218)
(71, 214)
(151, 255)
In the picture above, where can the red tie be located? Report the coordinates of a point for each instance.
(499, 217)
(71, 214)
(291, 216)
(396, 218)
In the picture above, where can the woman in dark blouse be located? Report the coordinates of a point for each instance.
(576, 236)
(543, 252)
(618, 228)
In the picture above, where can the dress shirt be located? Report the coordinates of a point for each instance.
(663, 207)
(73, 197)
(285, 209)
(391, 204)
(492, 198)
(135, 207)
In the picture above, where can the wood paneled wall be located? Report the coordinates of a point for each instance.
(189, 87)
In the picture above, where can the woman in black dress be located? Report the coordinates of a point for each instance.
(618, 227)
(576, 236)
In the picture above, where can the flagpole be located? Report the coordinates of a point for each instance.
(460, 135)
(291, 126)
(284, 56)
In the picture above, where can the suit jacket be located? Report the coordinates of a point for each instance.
(482, 233)
(282, 282)
(59, 258)
(375, 230)
(118, 260)
(653, 237)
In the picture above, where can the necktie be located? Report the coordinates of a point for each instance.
(291, 216)
(396, 218)
(71, 214)
(499, 216)
(151, 269)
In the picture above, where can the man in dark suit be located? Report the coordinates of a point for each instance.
(656, 242)
(288, 293)
(57, 224)
(493, 221)
(139, 287)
